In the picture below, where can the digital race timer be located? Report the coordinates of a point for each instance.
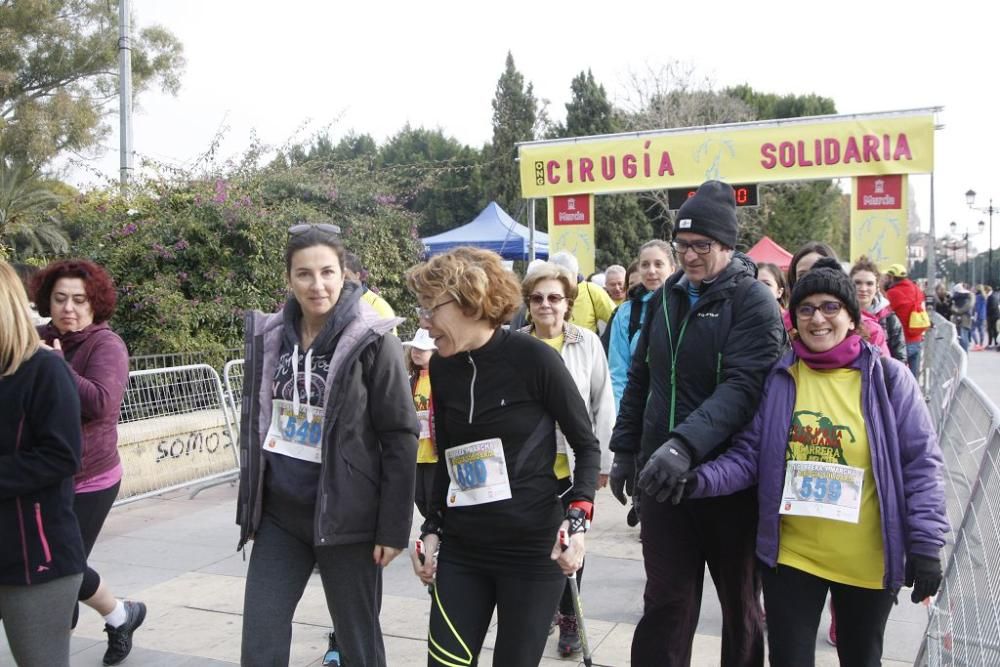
(746, 195)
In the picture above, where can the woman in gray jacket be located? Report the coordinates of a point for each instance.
(328, 441)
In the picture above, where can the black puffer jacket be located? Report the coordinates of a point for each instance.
(699, 377)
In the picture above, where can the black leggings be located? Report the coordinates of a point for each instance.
(462, 608)
(91, 510)
(794, 600)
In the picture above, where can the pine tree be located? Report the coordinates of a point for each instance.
(514, 114)
(621, 225)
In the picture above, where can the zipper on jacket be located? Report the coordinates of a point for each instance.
(41, 533)
(24, 540)
(876, 464)
(718, 370)
(472, 388)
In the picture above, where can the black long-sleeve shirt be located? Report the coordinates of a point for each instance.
(506, 389)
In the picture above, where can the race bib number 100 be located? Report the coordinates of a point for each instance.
(823, 490)
(478, 472)
(293, 433)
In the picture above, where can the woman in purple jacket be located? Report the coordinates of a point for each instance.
(849, 481)
(80, 297)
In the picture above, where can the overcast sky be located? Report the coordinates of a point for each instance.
(272, 68)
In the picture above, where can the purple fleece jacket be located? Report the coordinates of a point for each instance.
(98, 361)
(906, 461)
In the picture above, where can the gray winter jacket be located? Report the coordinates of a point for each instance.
(370, 433)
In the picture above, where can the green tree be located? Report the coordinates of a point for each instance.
(59, 72)
(620, 225)
(434, 176)
(27, 206)
(797, 212)
(515, 112)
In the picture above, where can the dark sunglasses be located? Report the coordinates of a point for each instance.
(539, 299)
(297, 230)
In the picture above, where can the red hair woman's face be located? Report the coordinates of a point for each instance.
(69, 306)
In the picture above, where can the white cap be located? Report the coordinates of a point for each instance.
(421, 340)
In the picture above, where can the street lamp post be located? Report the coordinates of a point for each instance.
(970, 199)
(970, 272)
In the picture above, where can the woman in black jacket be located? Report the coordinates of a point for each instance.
(495, 510)
(328, 442)
(41, 552)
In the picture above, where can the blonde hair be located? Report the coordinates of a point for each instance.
(551, 271)
(18, 338)
(475, 278)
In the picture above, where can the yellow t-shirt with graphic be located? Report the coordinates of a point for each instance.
(426, 452)
(561, 467)
(828, 426)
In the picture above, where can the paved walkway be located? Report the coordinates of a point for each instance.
(178, 555)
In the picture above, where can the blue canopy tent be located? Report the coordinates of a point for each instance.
(492, 230)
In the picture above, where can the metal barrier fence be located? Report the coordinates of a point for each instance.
(232, 376)
(964, 619)
(145, 362)
(175, 431)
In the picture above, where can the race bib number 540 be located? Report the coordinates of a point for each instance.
(298, 434)
(478, 472)
(823, 490)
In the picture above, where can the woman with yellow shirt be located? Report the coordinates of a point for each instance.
(849, 481)
(418, 357)
(549, 291)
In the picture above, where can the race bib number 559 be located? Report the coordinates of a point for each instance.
(824, 490)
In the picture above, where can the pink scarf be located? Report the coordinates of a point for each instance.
(840, 356)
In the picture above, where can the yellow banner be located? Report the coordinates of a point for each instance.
(879, 220)
(793, 150)
(571, 228)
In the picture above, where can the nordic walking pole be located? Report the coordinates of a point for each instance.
(577, 605)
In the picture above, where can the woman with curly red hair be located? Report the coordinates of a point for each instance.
(80, 297)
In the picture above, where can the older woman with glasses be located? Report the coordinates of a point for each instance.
(328, 443)
(495, 519)
(549, 293)
(848, 475)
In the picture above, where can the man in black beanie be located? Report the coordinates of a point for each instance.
(710, 336)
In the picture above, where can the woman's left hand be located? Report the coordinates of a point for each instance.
(570, 559)
(383, 555)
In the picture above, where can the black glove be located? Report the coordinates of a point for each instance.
(662, 473)
(622, 478)
(924, 574)
(685, 487)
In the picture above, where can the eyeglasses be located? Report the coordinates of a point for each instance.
(553, 299)
(828, 309)
(428, 313)
(700, 247)
(302, 228)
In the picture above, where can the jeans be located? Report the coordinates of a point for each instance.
(964, 334)
(913, 353)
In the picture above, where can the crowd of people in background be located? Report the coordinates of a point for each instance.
(759, 420)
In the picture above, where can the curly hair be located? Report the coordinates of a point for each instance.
(475, 278)
(99, 286)
(550, 271)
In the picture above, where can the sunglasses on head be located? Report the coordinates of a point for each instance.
(302, 228)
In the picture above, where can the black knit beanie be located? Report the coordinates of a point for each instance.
(826, 277)
(710, 211)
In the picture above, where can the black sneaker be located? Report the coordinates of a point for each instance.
(569, 636)
(120, 638)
